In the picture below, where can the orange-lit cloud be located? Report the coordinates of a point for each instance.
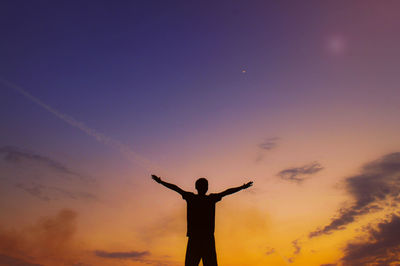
(378, 181)
(382, 246)
(51, 239)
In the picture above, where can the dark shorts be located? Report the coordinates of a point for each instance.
(201, 248)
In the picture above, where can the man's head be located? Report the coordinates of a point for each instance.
(201, 186)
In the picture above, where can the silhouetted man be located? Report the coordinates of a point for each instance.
(201, 220)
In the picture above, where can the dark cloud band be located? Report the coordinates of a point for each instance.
(14, 154)
(299, 174)
(382, 248)
(121, 255)
(377, 182)
(269, 144)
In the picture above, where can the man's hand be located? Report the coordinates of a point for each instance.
(247, 185)
(235, 189)
(156, 178)
(168, 185)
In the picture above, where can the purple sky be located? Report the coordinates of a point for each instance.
(199, 88)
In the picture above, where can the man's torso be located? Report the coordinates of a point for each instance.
(200, 214)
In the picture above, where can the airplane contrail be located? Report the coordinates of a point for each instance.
(100, 137)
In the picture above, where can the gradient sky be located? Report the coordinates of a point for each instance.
(302, 97)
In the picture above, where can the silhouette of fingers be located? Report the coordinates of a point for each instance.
(156, 178)
(247, 185)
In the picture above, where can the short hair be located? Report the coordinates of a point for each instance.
(201, 183)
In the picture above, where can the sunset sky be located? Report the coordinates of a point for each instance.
(301, 97)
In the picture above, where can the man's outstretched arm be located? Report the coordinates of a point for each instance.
(168, 185)
(235, 189)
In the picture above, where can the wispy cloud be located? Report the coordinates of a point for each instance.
(50, 239)
(100, 137)
(270, 251)
(48, 193)
(381, 248)
(16, 155)
(35, 190)
(37, 174)
(299, 174)
(139, 256)
(133, 255)
(297, 249)
(265, 146)
(296, 246)
(377, 181)
(7, 260)
(269, 144)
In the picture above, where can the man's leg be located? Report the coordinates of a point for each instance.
(193, 254)
(210, 255)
